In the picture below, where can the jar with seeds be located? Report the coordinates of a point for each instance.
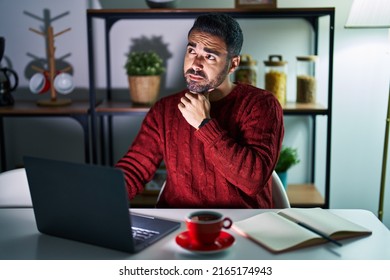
(247, 70)
(276, 77)
(306, 78)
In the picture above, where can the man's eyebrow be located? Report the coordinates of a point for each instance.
(191, 44)
(208, 50)
(213, 51)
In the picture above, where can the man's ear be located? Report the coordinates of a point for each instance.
(235, 62)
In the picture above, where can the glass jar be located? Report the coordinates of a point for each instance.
(276, 77)
(246, 72)
(306, 78)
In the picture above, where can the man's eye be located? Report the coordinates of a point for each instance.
(210, 57)
(191, 51)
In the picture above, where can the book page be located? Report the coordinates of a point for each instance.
(324, 221)
(274, 232)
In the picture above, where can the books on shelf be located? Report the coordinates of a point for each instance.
(295, 228)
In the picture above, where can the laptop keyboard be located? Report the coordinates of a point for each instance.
(141, 234)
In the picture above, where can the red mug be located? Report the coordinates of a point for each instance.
(204, 227)
(39, 83)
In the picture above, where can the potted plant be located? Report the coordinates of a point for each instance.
(144, 69)
(287, 158)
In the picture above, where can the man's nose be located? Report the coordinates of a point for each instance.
(198, 63)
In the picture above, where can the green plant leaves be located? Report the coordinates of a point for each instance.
(287, 158)
(144, 64)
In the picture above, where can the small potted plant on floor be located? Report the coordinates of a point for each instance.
(144, 71)
(287, 158)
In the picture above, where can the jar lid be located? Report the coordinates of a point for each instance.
(246, 60)
(278, 62)
(307, 58)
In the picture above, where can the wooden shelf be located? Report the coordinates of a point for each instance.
(304, 108)
(30, 108)
(120, 107)
(304, 195)
(190, 13)
(128, 107)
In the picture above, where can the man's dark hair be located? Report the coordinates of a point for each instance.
(223, 26)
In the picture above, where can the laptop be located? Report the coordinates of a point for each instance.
(89, 203)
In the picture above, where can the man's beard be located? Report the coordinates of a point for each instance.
(205, 85)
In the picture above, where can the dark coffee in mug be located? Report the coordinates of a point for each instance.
(205, 217)
(204, 227)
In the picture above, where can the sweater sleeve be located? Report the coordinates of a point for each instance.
(139, 164)
(247, 162)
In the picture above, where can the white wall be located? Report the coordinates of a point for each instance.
(360, 89)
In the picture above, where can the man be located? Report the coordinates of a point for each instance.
(220, 141)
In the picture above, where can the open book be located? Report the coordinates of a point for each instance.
(281, 231)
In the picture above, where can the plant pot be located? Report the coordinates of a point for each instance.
(283, 178)
(144, 90)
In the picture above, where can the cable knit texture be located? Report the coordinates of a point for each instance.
(227, 163)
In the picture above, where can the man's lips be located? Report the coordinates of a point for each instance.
(195, 77)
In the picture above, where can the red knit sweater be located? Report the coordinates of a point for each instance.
(225, 164)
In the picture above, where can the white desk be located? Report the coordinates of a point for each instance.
(20, 239)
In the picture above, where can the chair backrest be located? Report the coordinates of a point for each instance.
(279, 195)
(162, 189)
(14, 190)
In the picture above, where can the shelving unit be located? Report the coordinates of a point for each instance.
(305, 195)
(78, 110)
